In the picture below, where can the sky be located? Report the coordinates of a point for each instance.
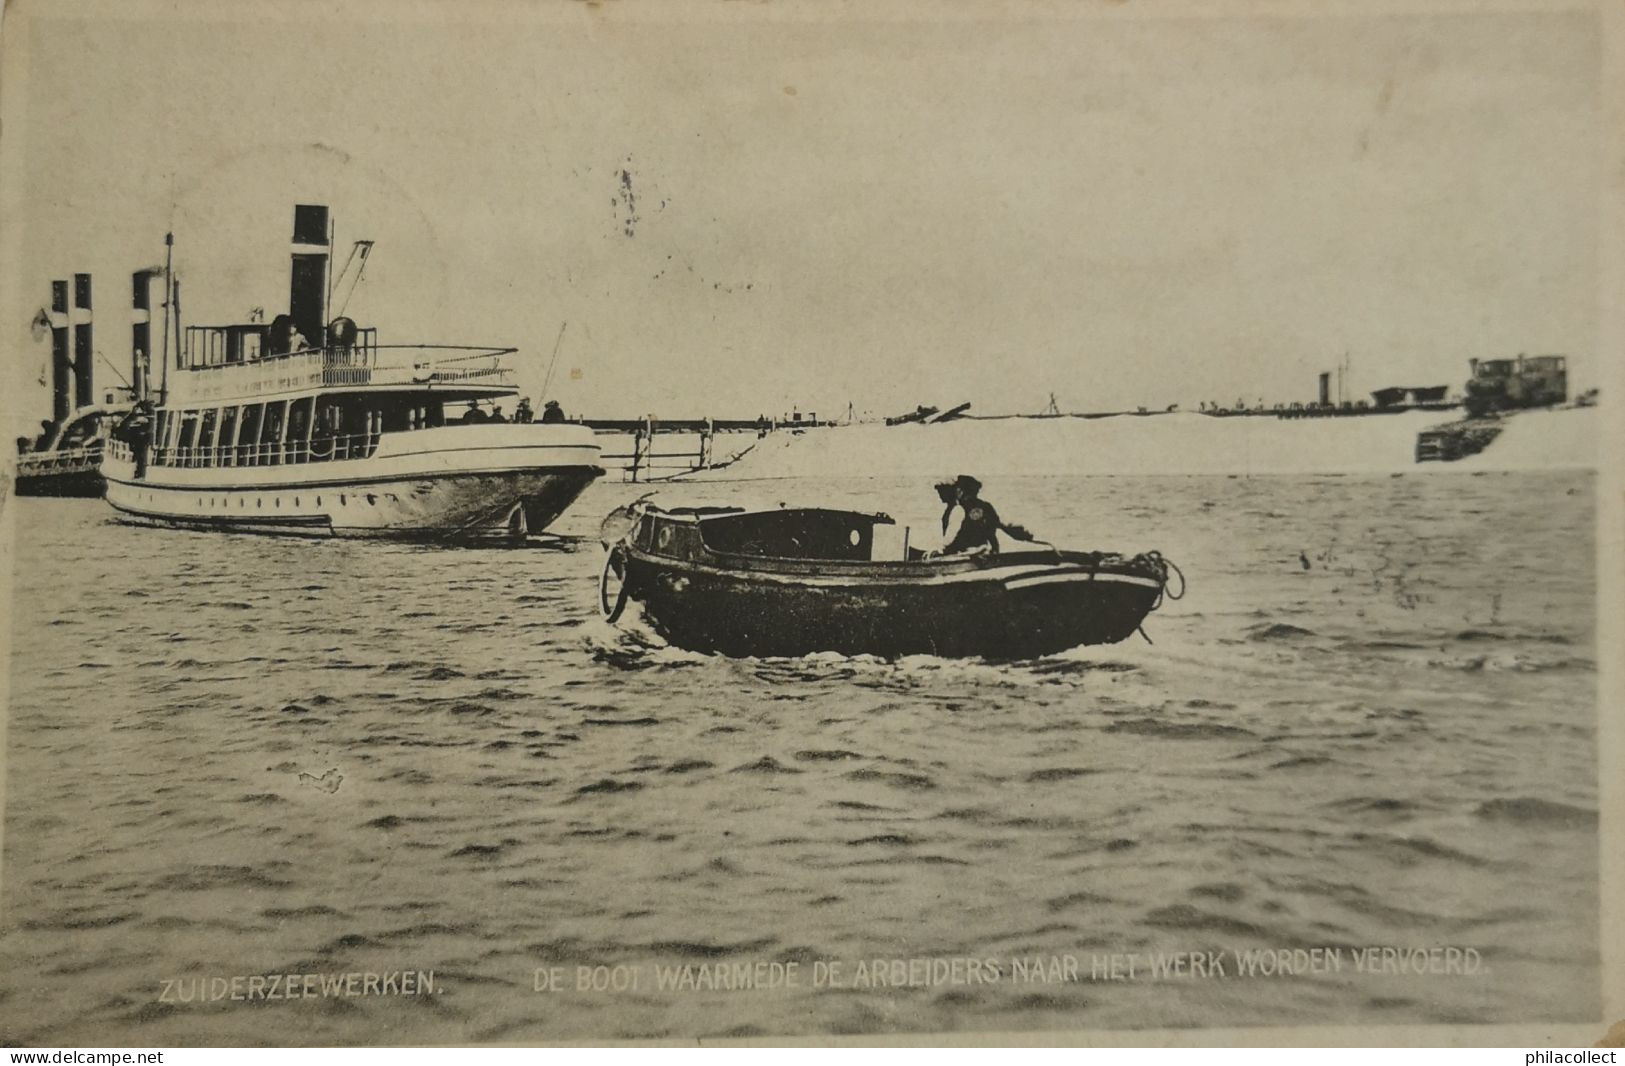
(742, 208)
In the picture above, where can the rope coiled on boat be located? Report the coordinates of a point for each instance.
(1162, 567)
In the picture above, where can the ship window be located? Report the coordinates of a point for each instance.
(248, 437)
(342, 499)
(208, 425)
(259, 502)
(229, 429)
(318, 501)
(854, 538)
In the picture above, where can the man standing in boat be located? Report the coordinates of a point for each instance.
(979, 522)
(952, 513)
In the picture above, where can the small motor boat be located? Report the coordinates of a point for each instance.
(793, 581)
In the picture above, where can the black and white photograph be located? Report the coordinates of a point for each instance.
(540, 522)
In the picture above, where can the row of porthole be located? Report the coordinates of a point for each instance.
(276, 501)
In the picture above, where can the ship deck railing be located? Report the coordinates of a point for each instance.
(318, 449)
(71, 458)
(369, 366)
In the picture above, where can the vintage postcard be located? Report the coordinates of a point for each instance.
(530, 522)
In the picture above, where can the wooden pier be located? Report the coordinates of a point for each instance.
(648, 462)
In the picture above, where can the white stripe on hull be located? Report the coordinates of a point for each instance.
(1013, 577)
(1083, 576)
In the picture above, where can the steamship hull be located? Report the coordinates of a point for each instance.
(84, 485)
(68, 463)
(60, 476)
(450, 484)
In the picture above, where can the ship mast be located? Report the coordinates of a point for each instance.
(169, 254)
(548, 381)
(327, 308)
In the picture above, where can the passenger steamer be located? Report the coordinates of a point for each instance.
(258, 431)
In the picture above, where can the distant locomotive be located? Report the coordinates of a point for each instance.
(1513, 384)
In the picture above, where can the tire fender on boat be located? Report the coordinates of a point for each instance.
(614, 562)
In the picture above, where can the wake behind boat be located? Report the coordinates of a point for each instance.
(257, 430)
(794, 581)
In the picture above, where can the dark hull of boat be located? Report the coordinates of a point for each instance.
(85, 484)
(1003, 610)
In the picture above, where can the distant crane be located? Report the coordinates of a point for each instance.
(1053, 408)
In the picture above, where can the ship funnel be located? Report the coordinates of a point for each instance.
(61, 363)
(83, 352)
(307, 291)
(141, 331)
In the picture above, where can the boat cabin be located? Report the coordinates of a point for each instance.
(239, 401)
(783, 533)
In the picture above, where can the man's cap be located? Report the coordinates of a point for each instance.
(968, 483)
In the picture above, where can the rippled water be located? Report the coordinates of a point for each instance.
(1370, 722)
